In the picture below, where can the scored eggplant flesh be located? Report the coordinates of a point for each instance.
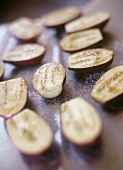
(98, 20)
(13, 94)
(26, 54)
(29, 132)
(90, 58)
(80, 122)
(80, 40)
(48, 79)
(109, 86)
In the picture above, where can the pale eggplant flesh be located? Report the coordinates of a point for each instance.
(13, 95)
(80, 122)
(90, 60)
(1, 69)
(29, 132)
(24, 29)
(81, 40)
(24, 55)
(97, 20)
(60, 17)
(109, 87)
(48, 80)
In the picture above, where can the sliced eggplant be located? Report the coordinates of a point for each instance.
(13, 96)
(1, 69)
(60, 17)
(23, 55)
(29, 132)
(98, 20)
(90, 60)
(81, 40)
(80, 122)
(109, 87)
(24, 29)
(48, 80)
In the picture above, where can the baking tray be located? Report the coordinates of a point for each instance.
(107, 154)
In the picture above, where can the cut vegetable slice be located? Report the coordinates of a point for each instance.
(81, 40)
(24, 29)
(13, 95)
(1, 69)
(109, 86)
(98, 20)
(80, 122)
(24, 55)
(93, 59)
(29, 132)
(60, 17)
(48, 80)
